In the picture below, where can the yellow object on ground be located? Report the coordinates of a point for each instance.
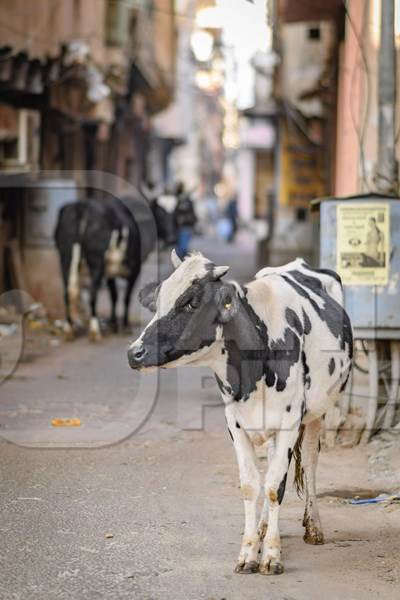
(66, 422)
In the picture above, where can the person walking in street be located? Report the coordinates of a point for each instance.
(232, 215)
(185, 218)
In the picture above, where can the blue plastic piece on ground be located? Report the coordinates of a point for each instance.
(375, 500)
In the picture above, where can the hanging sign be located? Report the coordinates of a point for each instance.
(363, 242)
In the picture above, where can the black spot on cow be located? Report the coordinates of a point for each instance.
(288, 408)
(230, 433)
(281, 489)
(306, 371)
(343, 386)
(331, 366)
(253, 357)
(307, 323)
(223, 351)
(294, 321)
(290, 454)
(224, 388)
(237, 425)
(303, 408)
(324, 272)
(332, 313)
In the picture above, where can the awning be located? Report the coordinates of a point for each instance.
(294, 11)
(168, 124)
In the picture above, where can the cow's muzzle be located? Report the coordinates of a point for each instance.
(136, 356)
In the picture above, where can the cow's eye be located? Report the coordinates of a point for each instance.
(190, 306)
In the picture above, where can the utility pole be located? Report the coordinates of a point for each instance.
(387, 168)
(387, 183)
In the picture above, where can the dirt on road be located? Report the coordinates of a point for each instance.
(97, 512)
(159, 517)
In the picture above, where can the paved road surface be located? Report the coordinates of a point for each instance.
(158, 516)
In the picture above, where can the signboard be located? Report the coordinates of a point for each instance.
(257, 134)
(363, 243)
(302, 170)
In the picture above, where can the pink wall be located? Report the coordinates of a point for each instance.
(350, 101)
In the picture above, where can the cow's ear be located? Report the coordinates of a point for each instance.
(148, 296)
(227, 303)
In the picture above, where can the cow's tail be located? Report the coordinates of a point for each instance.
(82, 220)
(298, 469)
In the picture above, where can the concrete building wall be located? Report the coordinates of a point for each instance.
(357, 126)
(39, 26)
(246, 165)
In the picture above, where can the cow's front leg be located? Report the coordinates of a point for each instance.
(275, 483)
(312, 523)
(250, 488)
(128, 292)
(112, 288)
(96, 273)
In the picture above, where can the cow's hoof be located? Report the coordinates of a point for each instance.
(271, 567)
(247, 568)
(313, 534)
(94, 330)
(113, 326)
(95, 337)
(69, 334)
(315, 538)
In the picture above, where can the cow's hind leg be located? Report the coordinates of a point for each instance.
(310, 450)
(250, 487)
(96, 275)
(67, 267)
(275, 483)
(68, 325)
(112, 288)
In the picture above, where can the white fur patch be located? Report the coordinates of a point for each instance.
(94, 329)
(294, 265)
(168, 202)
(73, 276)
(193, 267)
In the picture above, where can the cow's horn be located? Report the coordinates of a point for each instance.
(176, 261)
(220, 271)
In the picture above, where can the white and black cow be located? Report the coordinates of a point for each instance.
(281, 348)
(104, 235)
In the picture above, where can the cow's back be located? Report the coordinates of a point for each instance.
(310, 301)
(329, 280)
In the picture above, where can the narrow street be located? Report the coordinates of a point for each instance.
(255, 132)
(155, 513)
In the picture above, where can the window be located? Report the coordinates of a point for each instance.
(301, 215)
(314, 33)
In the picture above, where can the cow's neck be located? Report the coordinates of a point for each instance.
(240, 365)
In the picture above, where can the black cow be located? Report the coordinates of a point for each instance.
(104, 234)
(165, 222)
